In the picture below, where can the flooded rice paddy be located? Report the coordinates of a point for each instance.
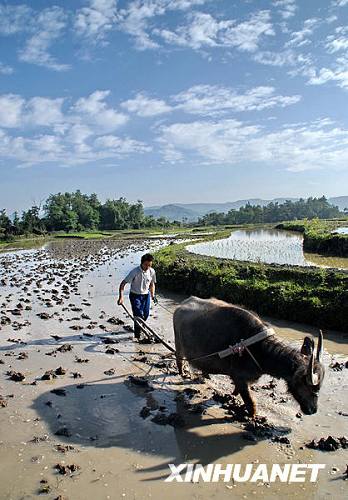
(75, 426)
(270, 246)
(341, 230)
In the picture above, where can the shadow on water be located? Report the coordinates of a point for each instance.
(105, 415)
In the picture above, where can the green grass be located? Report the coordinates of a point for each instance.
(23, 242)
(318, 236)
(86, 235)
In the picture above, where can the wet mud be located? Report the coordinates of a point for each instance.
(87, 412)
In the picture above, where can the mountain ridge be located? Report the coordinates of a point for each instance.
(192, 211)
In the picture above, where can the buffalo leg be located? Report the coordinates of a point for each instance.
(243, 390)
(179, 363)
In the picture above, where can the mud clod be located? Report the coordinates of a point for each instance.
(59, 392)
(173, 419)
(16, 376)
(65, 348)
(338, 367)
(63, 448)
(60, 371)
(145, 412)
(44, 315)
(328, 444)
(63, 431)
(3, 402)
(49, 375)
(67, 469)
(110, 372)
(260, 427)
(141, 381)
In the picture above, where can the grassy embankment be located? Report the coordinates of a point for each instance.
(310, 295)
(318, 236)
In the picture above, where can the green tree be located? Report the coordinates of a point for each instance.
(31, 221)
(5, 224)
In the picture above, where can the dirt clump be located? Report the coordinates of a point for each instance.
(328, 444)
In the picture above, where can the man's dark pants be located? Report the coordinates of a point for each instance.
(141, 308)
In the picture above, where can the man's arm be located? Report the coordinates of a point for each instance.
(153, 287)
(128, 279)
(120, 292)
(152, 290)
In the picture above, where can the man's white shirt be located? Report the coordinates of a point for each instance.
(140, 280)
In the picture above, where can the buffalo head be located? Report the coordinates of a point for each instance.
(307, 379)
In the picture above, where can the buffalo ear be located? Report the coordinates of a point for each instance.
(307, 346)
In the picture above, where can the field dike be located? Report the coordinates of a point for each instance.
(318, 236)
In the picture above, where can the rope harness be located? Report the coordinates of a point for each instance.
(237, 348)
(240, 347)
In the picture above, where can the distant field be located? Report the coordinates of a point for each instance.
(34, 240)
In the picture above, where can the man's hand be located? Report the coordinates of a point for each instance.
(120, 301)
(155, 300)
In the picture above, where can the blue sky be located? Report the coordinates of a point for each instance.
(173, 100)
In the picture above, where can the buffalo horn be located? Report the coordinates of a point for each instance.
(313, 377)
(320, 347)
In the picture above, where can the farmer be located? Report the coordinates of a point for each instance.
(142, 281)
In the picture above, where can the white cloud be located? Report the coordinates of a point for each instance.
(78, 133)
(182, 4)
(11, 107)
(70, 150)
(214, 142)
(338, 74)
(285, 58)
(204, 30)
(338, 41)
(74, 135)
(208, 99)
(287, 8)
(301, 38)
(97, 19)
(42, 111)
(40, 28)
(49, 26)
(94, 110)
(15, 18)
(340, 3)
(144, 106)
(231, 142)
(16, 112)
(121, 146)
(135, 19)
(5, 69)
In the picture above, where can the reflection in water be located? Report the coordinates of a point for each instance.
(270, 246)
(341, 230)
(262, 245)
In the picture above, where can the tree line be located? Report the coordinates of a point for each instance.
(274, 212)
(77, 212)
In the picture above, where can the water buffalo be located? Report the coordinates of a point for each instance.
(204, 326)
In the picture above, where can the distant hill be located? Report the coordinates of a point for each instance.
(172, 212)
(340, 201)
(192, 211)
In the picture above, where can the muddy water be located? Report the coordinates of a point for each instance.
(121, 454)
